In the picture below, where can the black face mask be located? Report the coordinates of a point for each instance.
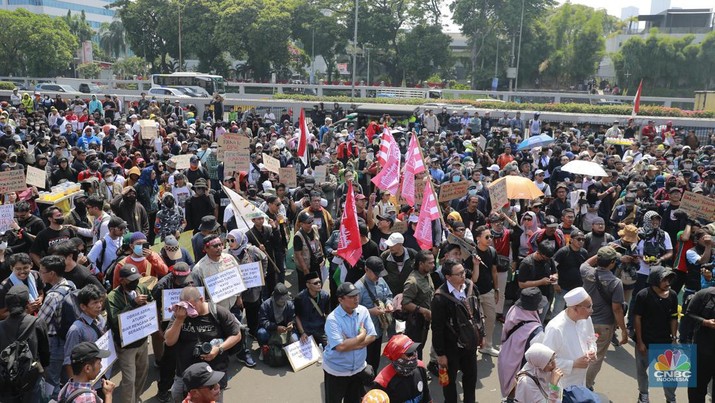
(132, 285)
(169, 203)
(59, 221)
(130, 199)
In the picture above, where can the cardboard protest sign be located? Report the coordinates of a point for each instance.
(252, 275)
(7, 217)
(230, 162)
(232, 142)
(170, 297)
(289, 177)
(12, 181)
(321, 173)
(182, 161)
(106, 342)
(697, 205)
(419, 192)
(225, 284)
(302, 355)
(497, 194)
(272, 164)
(36, 177)
(453, 190)
(138, 323)
(148, 129)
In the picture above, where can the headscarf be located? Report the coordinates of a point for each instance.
(647, 224)
(511, 357)
(537, 357)
(241, 242)
(145, 179)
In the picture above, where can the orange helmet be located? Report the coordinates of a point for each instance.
(399, 344)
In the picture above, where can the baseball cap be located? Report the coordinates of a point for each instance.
(346, 289)
(86, 351)
(171, 247)
(129, 272)
(394, 239)
(551, 221)
(305, 218)
(608, 253)
(201, 374)
(399, 344)
(375, 265)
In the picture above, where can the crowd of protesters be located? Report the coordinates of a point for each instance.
(594, 262)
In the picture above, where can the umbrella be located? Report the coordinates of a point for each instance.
(582, 167)
(536, 141)
(515, 187)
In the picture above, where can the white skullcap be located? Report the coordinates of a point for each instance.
(575, 296)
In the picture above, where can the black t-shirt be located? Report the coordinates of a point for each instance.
(569, 262)
(81, 276)
(298, 246)
(380, 238)
(472, 220)
(7, 284)
(204, 329)
(530, 270)
(485, 282)
(48, 237)
(656, 314)
(411, 388)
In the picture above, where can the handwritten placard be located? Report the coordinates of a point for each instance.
(171, 297)
(289, 177)
(252, 275)
(12, 181)
(230, 162)
(232, 142)
(138, 323)
(244, 160)
(7, 215)
(302, 355)
(272, 164)
(698, 206)
(148, 129)
(182, 161)
(321, 173)
(225, 284)
(453, 190)
(419, 192)
(106, 342)
(36, 177)
(497, 194)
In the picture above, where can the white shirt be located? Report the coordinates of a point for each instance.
(459, 294)
(570, 341)
(645, 267)
(110, 253)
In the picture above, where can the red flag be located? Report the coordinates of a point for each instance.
(389, 176)
(370, 131)
(428, 212)
(637, 100)
(303, 139)
(386, 142)
(413, 166)
(349, 245)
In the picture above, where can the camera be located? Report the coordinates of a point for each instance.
(202, 349)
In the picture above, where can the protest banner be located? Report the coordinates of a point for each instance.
(12, 181)
(272, 164)
(252, 275)
(697, 205)
(302, 355)
(419, 192)
(230, 162)
(7, 217)
(171, 297)
(106, 342)
(182, 161)
(225, 284)
(232, 142)
(497, 194)
(453, 190)
(148, 129)
(320, 173)
(138, 323)
(289, 177)
(244, 161)
(36, 177)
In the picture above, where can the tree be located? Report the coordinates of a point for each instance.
(706, 59)
(129, 67)
(88, 70)
(112, 38)
(79, 26)
(320, 27)
(35, 44)
(425, 49)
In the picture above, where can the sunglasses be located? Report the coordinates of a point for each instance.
(316, 282)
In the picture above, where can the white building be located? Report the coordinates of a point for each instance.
(95, 10)
(628, 12)
(658, 6)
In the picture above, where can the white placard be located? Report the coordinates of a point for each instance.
(182, 161)
(224, 284)
(252, 275)
(171, 297)
(106, 342)
(36, 177)
(138, 323)
(271, 164)
(148, 129)
(302, 355)
(7, 217)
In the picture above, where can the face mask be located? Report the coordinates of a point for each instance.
(405, 366)
(132, 285)
(169, 203)
(281, 301)
(456, 178)
(130, 199)
(59, 221)
(138, 250)
(687, 166)
(309, 186)
(109, 179)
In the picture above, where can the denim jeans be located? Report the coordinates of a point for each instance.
(559, 302)
(54, 375)
(642, 364)
(264, 336)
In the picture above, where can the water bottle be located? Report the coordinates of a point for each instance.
(443, 376)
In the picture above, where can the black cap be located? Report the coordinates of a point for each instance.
(208, 223)
(531, 299)
(129, 272)
(347, 289)
(280, 290)
(199, 375)
(87, 351)
(17, 298)
(305, 218)
(116, 222)
(375, 265)
(551, 221)
(312, 275)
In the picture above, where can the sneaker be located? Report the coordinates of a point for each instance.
(433, 368)
(246, 358)
(164, 397)
(643, 398)
(264, 352)
(490, 351)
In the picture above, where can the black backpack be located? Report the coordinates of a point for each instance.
(18, 369)
(70, 312)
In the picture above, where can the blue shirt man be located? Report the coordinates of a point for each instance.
(349, 330)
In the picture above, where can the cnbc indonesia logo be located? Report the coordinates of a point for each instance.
(672, 366)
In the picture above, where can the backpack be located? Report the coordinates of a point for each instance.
(276, 356)
(74, 395)
(109, 274)
(18, 369)
(579, 394)
(70, 312)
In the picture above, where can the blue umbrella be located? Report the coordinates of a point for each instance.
(536, 141)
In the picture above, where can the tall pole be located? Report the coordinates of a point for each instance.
(312, 63)
(181, 62)
(352, 91)
(518, 55)
(368, 66)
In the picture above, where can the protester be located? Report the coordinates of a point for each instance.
(539, 380)
(85, 361)
(405, 380)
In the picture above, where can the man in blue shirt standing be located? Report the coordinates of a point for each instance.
(349, 330)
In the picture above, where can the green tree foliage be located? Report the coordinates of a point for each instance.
(129, 67)
(315, 26)
(35, 45)
(425, 49)
(112, 38)
(88, 70)
(79, 26)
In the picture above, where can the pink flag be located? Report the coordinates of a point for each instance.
(389, 176)
(349, 245)
(413, 166)
(386, 142)
(428, 212)
(637, 100)
(303, 139)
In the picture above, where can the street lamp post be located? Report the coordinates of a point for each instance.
(312, 57)
(352, 90)
(181, 62)
(518, 55)
(367, 80)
